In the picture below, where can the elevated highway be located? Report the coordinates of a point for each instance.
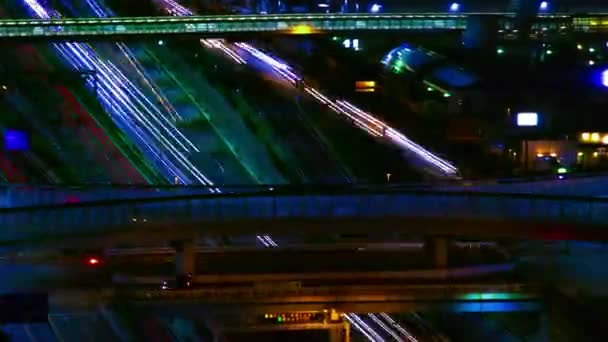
(377, 298)
(222, 25)
(448, 213)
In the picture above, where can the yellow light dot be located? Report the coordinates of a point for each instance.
(595, 154)
(585, 136)
(595, 137)
(301, 29)
(553, 155)
(540, 155)
(605, 139)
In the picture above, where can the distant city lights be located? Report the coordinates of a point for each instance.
(500, 51)
(594, 138)
(527, 119)
(543, 6)
(591, 62)
(376, 8)
(549, 52)
(592, 50)
(454, 7)
(579, 46)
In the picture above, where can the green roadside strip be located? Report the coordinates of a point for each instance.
(206, 114)
(282, 157)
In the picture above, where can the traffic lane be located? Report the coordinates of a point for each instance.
(286, 261)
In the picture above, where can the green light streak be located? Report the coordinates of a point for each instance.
(122, 143)
(207, 116)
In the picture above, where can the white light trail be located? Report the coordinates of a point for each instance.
(384, 326)
(399, 328)
(359, 327)
(131, 108)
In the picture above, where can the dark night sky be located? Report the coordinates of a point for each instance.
(492, 5)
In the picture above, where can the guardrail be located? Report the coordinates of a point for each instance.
(354, 204)
(225, 24)
(24, 195)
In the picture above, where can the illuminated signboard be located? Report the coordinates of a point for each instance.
(15, 140)
(365, 86)
(527, 119)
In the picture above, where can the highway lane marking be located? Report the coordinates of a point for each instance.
(55, 330)
(29, 333)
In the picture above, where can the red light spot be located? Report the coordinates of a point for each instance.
(93, 261)
(71, 199)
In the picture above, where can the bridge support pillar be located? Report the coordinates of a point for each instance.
(185, 257)
(346, 331)
(438, 250)
(339, 335)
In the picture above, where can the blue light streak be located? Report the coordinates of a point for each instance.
(132, 111)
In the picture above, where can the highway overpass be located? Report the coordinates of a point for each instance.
(352, 298)
(222, 25)
(450, 213)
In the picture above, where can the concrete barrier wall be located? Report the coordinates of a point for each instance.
(23, 223)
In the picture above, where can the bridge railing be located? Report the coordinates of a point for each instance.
(26, 195)
(40, 221)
